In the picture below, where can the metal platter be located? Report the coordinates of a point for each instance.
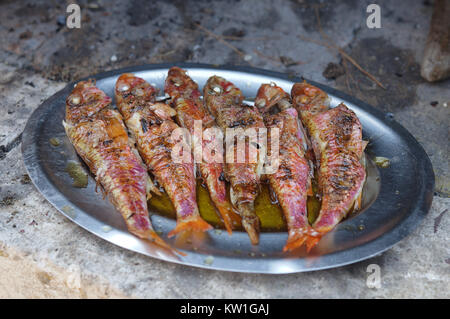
(396, 199)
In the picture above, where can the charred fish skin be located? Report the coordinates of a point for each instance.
(224, 101)
(100, 139)
(152, 127)
(336, 136)
(292, 181)
(185, 99)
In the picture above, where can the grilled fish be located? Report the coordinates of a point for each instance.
(336, 137)
(185, 99)
(100, 139)
(224, 101)
(151, 126)
(292, 181)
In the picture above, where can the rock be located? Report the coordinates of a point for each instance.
(436, 58)
(333, 71)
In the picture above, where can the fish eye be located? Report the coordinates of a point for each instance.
(74, 100)
(123, 88)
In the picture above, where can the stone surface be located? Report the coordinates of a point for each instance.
(42, 254)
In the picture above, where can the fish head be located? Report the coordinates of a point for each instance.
(84, 101)
(270, 95)
(218, 86)
(219, 93)
(132, 91)
(178, 84)
(308, 98)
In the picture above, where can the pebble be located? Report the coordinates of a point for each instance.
(6, 78)
(106, 228)
(209, 260)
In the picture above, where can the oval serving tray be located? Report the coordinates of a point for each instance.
(396, 200)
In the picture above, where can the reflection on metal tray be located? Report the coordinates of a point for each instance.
(395, 199)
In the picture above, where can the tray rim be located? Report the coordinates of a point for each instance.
(339, 258)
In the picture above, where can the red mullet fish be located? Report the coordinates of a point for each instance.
(185, 99)
(224, 101)
(151, 126)
(336, 137)
(292, 181)
(100, 139)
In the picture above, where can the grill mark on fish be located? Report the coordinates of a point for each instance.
(144, 125)
(242, 123)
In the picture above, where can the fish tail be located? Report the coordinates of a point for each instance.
(251, 226)
(250, 222)
(195, 223)
(152, 236)
(311, 242)
(295, 241)
(302, 236)
(230, 219)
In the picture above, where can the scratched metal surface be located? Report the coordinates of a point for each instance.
(395, 200)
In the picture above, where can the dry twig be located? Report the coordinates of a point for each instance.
(341, 51)
(270, 58)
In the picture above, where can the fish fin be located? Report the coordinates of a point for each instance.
(364, 145)
(194, 224)
(295, 241)
(309, 191)
(153, 237)
(357, 203)
(358, 199)
(311, 242)
(151, 187)
(301, 236)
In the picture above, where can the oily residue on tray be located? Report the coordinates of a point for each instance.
(269, 213)
(78, 174)
(266, 206)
